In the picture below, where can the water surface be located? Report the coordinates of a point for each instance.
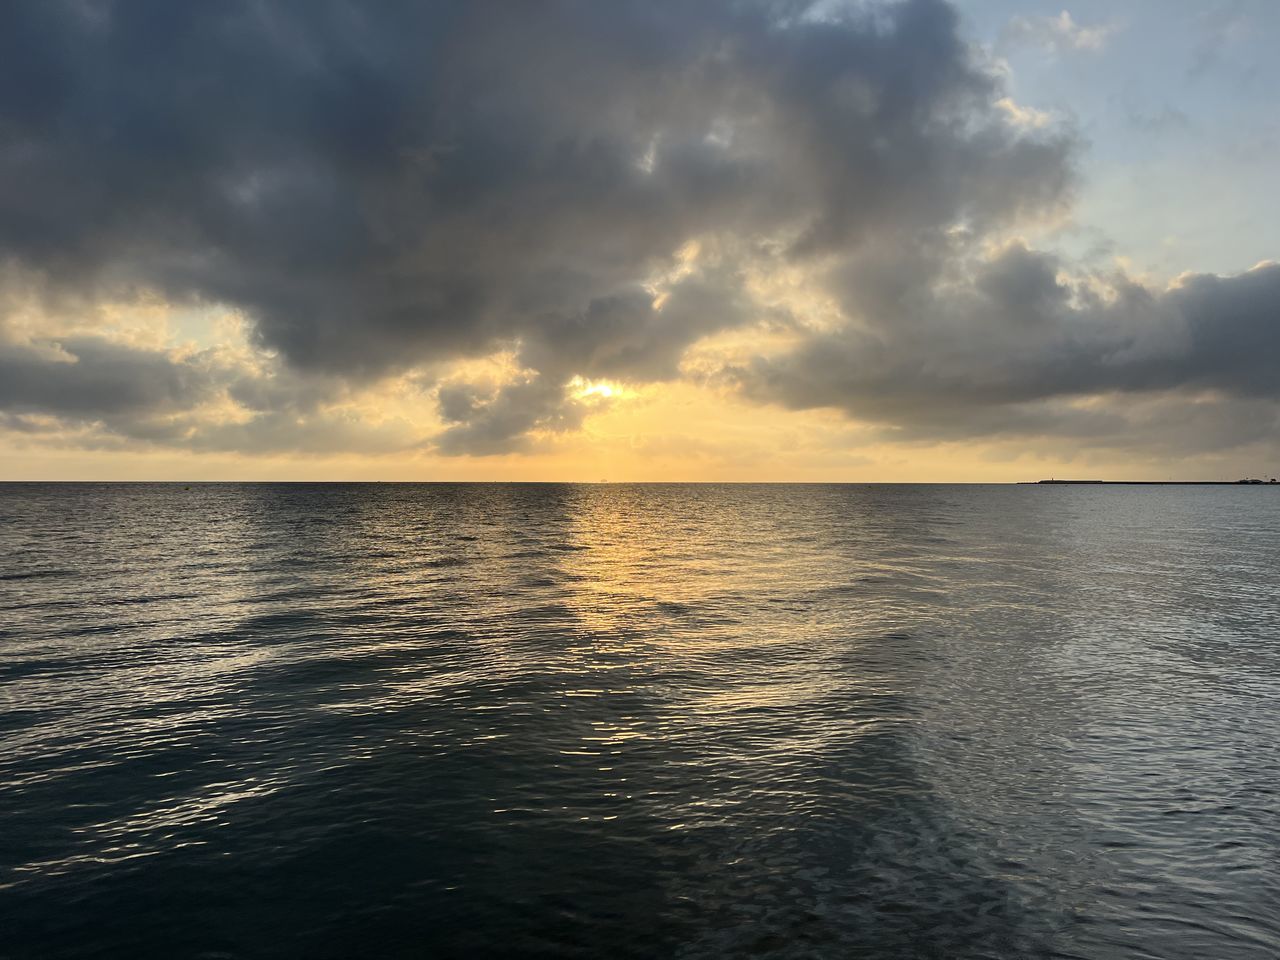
(639, 721)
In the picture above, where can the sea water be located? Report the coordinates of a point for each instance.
(383, 720)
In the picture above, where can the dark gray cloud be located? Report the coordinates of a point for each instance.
(381, 187)
(91, 378)
(384, 185)
(497, 421)
(1007, 349)
(93, 391)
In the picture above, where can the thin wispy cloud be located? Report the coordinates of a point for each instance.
(1057, 34)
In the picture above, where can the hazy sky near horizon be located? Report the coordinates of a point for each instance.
(657, 240)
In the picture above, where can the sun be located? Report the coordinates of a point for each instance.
(595, 389)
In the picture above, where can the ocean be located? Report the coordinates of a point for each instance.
(611, 720)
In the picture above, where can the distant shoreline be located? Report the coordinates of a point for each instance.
(1157, 483)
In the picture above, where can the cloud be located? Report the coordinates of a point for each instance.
(1024, 116)
(500, 420)
(1015, 348)
(391, 193)
(91, 377)
(1160, 121)
(1057, 34)
(1222, 27)
(110, 387)
(384, 187)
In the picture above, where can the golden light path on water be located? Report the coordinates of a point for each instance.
(638, 720)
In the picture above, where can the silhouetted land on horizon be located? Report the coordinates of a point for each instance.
(1162, 483)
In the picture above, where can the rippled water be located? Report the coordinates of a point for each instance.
(639, 721)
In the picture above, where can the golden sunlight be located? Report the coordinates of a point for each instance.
(583, 389)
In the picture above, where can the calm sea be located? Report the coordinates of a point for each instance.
(639, 721)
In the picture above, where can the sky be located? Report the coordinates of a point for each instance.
(739, 240)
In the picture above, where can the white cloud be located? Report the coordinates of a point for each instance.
(1058, 34)
(1023, 116)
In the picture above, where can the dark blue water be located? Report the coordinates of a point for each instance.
(639, 721)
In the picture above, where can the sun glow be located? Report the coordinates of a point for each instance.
(596, 389)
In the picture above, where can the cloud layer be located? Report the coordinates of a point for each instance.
(387, 190)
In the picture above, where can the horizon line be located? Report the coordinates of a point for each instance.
(619, 483)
